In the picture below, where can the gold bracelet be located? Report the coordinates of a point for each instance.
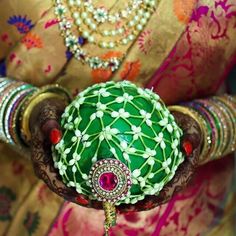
(203, 127)
(26, 113)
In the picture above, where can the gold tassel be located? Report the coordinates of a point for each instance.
(110, 216)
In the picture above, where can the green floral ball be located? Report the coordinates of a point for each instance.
(120, 143)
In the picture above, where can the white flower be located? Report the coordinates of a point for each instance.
(71, 184)
(94, 159)
(74, 169)
(163, 122)
(60, 146)
(101, 107)
(78, 188)
(103, 92)
(77, 136)
(60, 10)
(169, 128)
(151, 161)
(120, 99)
(177, 133)
(84, 176)
(158, 186)
(175, 144)
(166, 164)
(159, 139)
(126, 150)
(128, 97)
(62, 168)
(146, 117)
(108, 133)
(95, 62)
(79, 102)
(100, 15)
(69, 126)
(136, 131)
(87, 144)
(64, 24)
(151, 175)
(114, 64)
(80, 55)
(140, 91)
(136, 173)
(149, 153)
(121, 113)
(158, 106)
(75, 159)
(70, 41)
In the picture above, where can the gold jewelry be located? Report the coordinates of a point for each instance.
(203, 126)
(38, 97)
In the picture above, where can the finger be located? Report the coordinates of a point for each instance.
(44, 167)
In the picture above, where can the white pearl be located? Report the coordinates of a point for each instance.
(78, 2)
(88, 21)
(91, 39)
(147, 15)
(131, 37)
(84, 15)
(120, 30)
(136, 18)
(131, 23)
(93, 26)
(111, 45)
(143, 21)
(76, 15)
(71, 2)
(124, 41)
(86, 34)
(140, 12)
(103, 44)
(139, 27)
(78, 21)
(113, 32)
(105, 32)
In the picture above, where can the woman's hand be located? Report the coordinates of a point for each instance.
(45, 118)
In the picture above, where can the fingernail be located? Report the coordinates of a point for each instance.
(55, 136)
(187, 147)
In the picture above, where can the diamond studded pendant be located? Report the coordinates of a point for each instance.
(110, 180)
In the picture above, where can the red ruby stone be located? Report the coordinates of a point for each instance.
(55, 136)
(108, 181)
(82, 200)
(188, 147)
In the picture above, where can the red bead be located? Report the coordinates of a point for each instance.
(82, 200)
(188, 147)
(55, 136)
(108, 181)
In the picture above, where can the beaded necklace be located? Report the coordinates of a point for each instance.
(92, 22)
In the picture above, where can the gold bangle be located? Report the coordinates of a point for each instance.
(203, 127)
(26, 114)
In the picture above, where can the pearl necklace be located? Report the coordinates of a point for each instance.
(101, 15)
(87, 26)
(71, 40)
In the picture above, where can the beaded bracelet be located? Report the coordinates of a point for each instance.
(6, 104)
(219, 122)
(12, 94)
(211, 128)
(228, 128)
(231, 106)
(17, 101)
(220, 113)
